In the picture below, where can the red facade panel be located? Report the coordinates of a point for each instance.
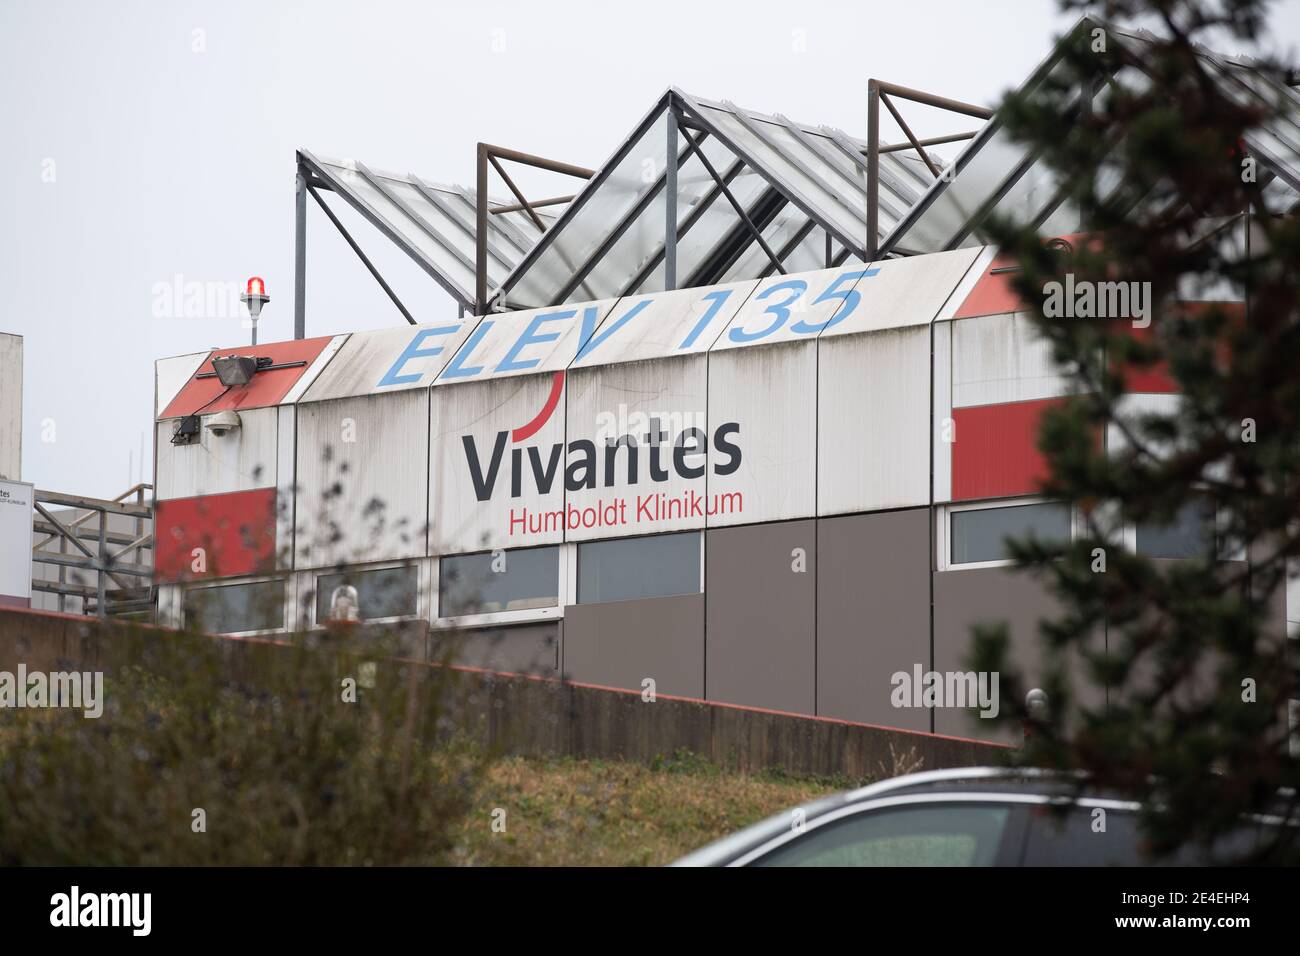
(996, 450)
(993, 294)
(1151, 378)
(1156, 379)
(267, 388)
(236, 532)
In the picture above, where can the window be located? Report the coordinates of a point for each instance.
(1071, 838)
(979, 535)
(380, 592)
(236, 608)
(1189, 535)
(628, 569)
(499, 581)
(952, 835)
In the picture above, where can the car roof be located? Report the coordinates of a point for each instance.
(956, 781)
(1051, 785)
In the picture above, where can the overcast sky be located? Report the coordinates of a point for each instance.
(145, 141)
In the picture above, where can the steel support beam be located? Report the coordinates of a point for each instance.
(873, 169)
(670, 205)
(929, 99)
(930, 141)
(580, 274)
(876, 91)
(911, 137)
(480, 229)
(300, 255)
(531, 204)
(739, 210)
(487, 154)
(697, 212)
(347, 236)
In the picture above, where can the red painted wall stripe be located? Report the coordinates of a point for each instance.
(266, 388)
(1157, 379)
(525, 432)
(996, 450)
(236, 531)
(992, 294)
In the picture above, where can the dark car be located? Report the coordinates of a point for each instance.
(970, 817)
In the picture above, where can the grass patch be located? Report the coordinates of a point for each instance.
(567, 812)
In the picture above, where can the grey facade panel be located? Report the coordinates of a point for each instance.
(964, 599)
(621, 643)
(873, 613)
(761, 616)
(519, 649)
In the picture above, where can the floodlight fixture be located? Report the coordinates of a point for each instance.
(235, 370)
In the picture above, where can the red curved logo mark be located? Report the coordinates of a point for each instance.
(525, 432)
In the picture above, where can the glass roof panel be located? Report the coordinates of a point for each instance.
(348, 180)
(949, 214)
(598, 209)
(809, 183)
(610, 241)
(441, 234)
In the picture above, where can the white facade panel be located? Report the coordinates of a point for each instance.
(17, 507)
(11, 406)
(646, 425)
(794, 307)
(1002, 358)
(170, 376)
(492, 483)
(945, 429)
(525, 343)
(314, 370)
(240, 460)
(683, 322)
(362, 470)
(1129, 409)
(873, 421)
(390, 360)
(983, 262)
(897, 293)
(286, 484)
(762, 403)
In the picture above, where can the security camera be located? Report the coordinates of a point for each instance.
(1037, 704)
(223, 423)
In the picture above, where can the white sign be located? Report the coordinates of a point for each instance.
(16, 506)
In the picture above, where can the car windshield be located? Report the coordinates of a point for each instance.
(723, 851)
(939, 835)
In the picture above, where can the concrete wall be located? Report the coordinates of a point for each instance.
(761, 615)
(11, 406)
(873, 613)
(621, 643)
(531, 716)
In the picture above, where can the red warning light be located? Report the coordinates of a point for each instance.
(256, 286)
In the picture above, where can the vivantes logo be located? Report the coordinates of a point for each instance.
(586, 466)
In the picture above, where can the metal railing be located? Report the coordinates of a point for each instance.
(123, 581)
(879, 91)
